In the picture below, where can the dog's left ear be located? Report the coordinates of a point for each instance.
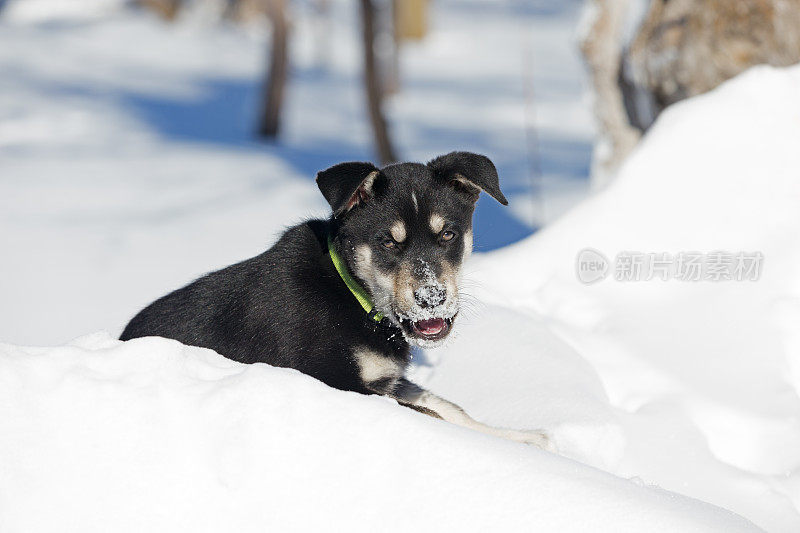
(469, 173)
(347, 184)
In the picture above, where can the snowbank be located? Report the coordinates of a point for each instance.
(150, 435)
(702, 376)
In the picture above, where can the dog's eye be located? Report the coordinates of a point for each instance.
(389, 243)
(447, 235)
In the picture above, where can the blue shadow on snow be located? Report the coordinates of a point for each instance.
(224, 115)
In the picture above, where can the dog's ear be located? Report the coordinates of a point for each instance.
(469, 173)
(347, 184)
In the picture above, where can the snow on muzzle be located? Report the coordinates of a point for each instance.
(431, 318)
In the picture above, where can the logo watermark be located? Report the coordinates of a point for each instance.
(592, 266)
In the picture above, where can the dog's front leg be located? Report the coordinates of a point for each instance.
(417, 398)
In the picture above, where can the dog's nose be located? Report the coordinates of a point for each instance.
(430, 296)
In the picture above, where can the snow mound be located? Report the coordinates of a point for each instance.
(702, 377)
(151, 435)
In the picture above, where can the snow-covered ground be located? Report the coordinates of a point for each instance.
(126, 170)
(150, 435)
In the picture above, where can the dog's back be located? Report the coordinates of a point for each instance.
(269, 309)
(210, 312)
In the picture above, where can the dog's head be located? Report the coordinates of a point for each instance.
(404, 232)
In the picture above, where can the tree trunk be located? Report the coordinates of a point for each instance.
(685, 48)
(372, 86)
(272, 97)
(602, 49)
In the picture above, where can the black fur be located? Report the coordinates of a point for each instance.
(340, 182)
(476, 169)
(289, 307)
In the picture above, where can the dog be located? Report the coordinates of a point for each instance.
(343, 299)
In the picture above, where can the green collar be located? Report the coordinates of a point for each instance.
(357, 290)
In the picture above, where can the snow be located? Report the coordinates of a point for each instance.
(701, 376)
(37, 11)
(150, 435)
(128, 170)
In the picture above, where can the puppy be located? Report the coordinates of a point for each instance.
(343, 299)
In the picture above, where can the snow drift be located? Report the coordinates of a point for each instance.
(702, 376)
(150, 435)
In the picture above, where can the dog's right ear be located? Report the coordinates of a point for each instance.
(347, 184)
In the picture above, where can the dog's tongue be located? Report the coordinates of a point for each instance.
(432, 326)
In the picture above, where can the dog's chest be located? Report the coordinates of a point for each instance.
(375, 366)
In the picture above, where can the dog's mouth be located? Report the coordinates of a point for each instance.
(429, 329)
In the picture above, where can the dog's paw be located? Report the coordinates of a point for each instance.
(538, 438)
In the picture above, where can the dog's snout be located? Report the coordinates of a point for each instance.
(430, 296)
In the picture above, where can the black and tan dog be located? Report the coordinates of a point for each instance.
(341, 300)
